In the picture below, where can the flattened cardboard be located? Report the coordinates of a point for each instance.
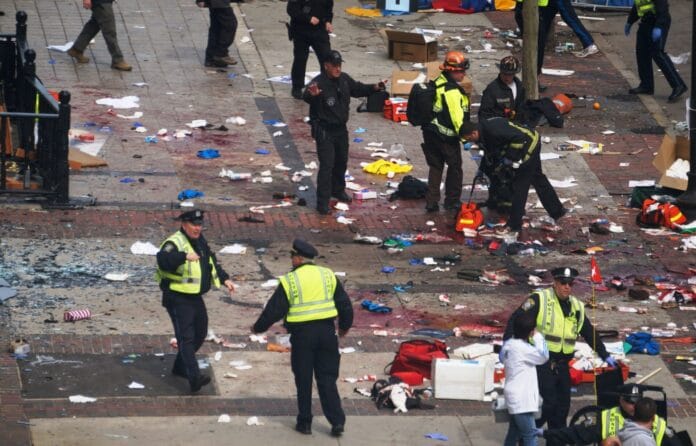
(669, 151)
(411, 47)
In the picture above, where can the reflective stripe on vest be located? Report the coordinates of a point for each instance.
(310, 289)
(613, 422)
(539, 2)
(560, 332)
(439, 106)
(187, 278)
(533, 136)
(644, 6)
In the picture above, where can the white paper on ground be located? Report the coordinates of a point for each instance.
(145, 248)
(641, 183)
(254, 421)
(197, 123)
(236, 248)
(135, 115)
(61, 48)
(564, 183)
(346, 350)
(555, 72)
(224, 418)
(218, 356)
(91, 148)
(116, 277)
(124, 102)
(549, 156)
(135, 385)
(81, 399)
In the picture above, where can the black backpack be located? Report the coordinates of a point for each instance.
(420, 103)
(409, 188)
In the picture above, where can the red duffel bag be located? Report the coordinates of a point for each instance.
(417, 356)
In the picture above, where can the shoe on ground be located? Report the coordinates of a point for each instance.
(304, 428)
(432, 207)
(297, 93)
(229, 60)
(121, 65)
(640, 90)
(201, 381)
(344, 197)
(337, 430)
(678, 91)
(215, 62)
(79, 56)
(590, 50)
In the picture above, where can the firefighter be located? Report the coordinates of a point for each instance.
(560, 317)
(442, 136)
(650, 45)
(310, 298)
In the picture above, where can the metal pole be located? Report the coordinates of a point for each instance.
(687, 200)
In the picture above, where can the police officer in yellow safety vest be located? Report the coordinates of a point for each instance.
(310, 297)
(612, 420)
(186, 269)
(560, 318)
(644, 428)
(441, 137)
(651, 39)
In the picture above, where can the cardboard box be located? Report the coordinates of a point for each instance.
(402, 81)
(462, 379)
(670, 150)
(412, 47)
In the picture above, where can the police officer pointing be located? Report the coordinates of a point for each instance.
(310, 297)
(560, 318)
(186, 269)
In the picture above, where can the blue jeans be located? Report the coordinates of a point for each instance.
(521, 427)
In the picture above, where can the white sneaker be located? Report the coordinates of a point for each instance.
(590, 50)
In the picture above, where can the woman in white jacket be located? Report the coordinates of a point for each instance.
(520, 357)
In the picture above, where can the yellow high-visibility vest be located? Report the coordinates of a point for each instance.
(539, 2)
(644, 6)
(613, 422)
(310, 289)
(187, 278)
(559, 331)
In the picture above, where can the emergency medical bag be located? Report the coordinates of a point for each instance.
(469, 216)
(654, 214)
(417, 356)
(419, 110)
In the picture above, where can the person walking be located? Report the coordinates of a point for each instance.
(328, 96)
(223, 27)
(310, 26)
(651, 39)
(560, 317)
(186, 270)
(103, 20)
(518, 150)
(520, 358)
(443, 135)
(309, 298)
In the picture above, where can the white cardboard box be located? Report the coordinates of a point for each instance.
(462, 379)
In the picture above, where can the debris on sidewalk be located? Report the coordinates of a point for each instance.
(20, 347)
(145, 248)
(224, 418)
(135, 385)
(77, 315)
(81, 399)
(6, 291)
(117, 277)
(236, 248)
(254, 421)
(124, 102)
(375, 307)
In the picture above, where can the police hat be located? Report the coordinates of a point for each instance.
(303, 249)
(195, 217)
(564, 274)
(334, 58)
(630, 393)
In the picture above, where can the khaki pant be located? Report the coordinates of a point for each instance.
(102, 20)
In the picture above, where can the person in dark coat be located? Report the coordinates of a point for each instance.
(310, 26)
(309, 299)
(223, 27)
(186, 270)
(328, 96)
(651, 39)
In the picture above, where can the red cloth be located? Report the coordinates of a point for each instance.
(595, 274)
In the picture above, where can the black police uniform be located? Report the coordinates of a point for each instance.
(554, 376)
(304, 35)
(510, 142)
(328, 113)
(647, 50)
(223, 27)
(314, 349)
(187, 311)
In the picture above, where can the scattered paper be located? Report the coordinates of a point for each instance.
(135, 385)
(81, 399)
(145, 248)
(254, 421)
(135, 115)
(234, 249)
(124, 102)
(218, 356)
(224, 418)
(564, 183)
(555, 72)
(116, 277)
(640, 183)
(61, 48)
(197, 123)
(549, 156)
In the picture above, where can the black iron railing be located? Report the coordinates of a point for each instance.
(33, 160)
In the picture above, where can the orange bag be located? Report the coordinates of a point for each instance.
(469, 217)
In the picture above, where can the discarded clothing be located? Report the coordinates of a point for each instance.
(375, 307)
(642, 342)
(188, 194)
(208, 153)
(433, 333)
(383, 167)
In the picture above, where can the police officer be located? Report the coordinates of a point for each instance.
(650, 45)
(223, 27)
(310, 297)
(328, 96)
(611, 420)
(186, 269)
(518, 150)
(442, 136)
(310, 25)
(560, 318)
